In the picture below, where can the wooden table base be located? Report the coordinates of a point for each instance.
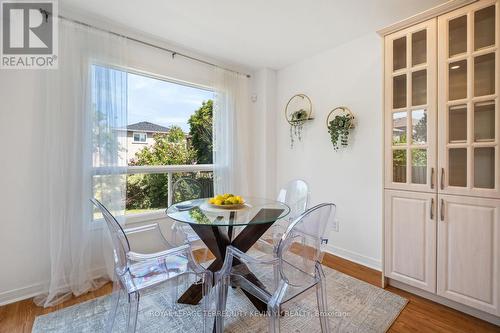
(217, 240)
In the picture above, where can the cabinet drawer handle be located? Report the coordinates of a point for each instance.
(432, 209)
(442, 178)
(432, 178)
(442, 210)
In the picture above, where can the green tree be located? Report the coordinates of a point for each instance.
(201, 130)
(175, 135)
(420, 129)
(150, 191)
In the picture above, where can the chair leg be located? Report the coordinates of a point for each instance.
(177, 281)
(322, 305)
(133, 309)
(274, 307)
(274, 318)
(276, 276)
(207, 287)
(222, 286)
(305, 260)
(115, 302)
(175, 235)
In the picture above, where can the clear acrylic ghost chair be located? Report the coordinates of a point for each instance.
(295, 194)
(135, 272)
(187, 188)
(292, 270)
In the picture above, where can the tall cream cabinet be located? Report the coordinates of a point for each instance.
(442, 167)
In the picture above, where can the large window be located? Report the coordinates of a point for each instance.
(173, 124)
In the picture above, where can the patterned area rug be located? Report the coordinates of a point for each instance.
(354, 306)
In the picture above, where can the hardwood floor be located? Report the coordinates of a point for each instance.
(420, 315)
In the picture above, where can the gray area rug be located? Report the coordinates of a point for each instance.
(354, 306)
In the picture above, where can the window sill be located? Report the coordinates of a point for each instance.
(134, 219)
(145, 217)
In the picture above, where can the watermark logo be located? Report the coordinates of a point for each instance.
(29, 34)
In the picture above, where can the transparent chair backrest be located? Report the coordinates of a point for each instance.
(299, 249)
(186, 188)
(118, 238)
(296, 195)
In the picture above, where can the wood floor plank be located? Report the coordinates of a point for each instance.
(419, 316)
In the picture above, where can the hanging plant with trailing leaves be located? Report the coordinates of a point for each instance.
(339, 128)
(298, 111)
(297, 121)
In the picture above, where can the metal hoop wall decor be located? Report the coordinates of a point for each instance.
(339, 122)
(339, 110)
(298, 111)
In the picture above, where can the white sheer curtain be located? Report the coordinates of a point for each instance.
(231, 132)
(73, 146)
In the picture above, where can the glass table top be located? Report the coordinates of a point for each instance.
(254, 211)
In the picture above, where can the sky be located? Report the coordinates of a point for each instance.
(161, 102)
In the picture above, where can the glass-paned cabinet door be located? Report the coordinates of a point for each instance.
(468, 100)
(410, 110)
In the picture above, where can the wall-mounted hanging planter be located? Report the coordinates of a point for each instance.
(298, 111)
(340, 122)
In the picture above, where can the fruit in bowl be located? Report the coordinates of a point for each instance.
(227, 200)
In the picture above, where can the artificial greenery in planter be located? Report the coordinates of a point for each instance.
(297, 120)
(339, 129)
(298, 111)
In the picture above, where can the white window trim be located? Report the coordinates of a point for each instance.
(169, 169)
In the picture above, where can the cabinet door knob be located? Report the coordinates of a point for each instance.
(432, 209)
(442, 210)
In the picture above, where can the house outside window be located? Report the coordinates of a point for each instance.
(142, 134)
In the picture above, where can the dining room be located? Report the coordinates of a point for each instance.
(228, 166)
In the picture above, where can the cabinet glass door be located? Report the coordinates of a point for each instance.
(410, 107)
(469, 126)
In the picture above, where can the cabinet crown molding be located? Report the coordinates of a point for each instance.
(425, 15)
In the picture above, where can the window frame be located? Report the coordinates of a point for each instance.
(147, 169)
(140, 134)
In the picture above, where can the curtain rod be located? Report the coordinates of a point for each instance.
(173, 52)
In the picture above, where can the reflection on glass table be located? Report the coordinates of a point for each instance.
(214, 225)
(254, 211)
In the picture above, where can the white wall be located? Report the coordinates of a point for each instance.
(350, 75)
(23, 238)
(263, 136)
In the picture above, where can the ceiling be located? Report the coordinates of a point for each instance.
(254, 33)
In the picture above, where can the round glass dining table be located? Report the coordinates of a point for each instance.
(253, 211)
(215, 225)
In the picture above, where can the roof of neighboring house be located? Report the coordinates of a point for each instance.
(145, 126)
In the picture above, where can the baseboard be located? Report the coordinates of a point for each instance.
(444, 301)
(30, 291)
(20, 294)
(355, 257)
